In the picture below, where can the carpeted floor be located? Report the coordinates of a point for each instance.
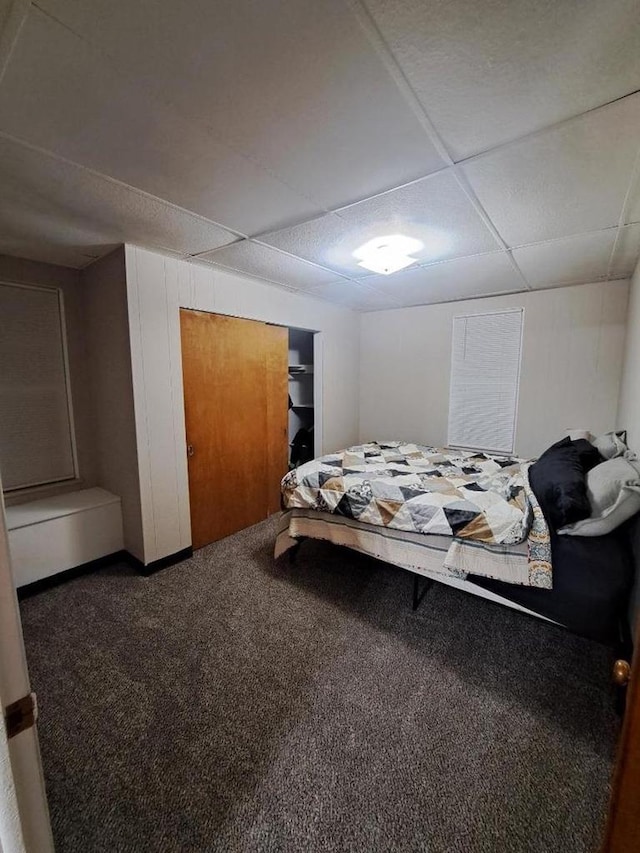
(232, 704)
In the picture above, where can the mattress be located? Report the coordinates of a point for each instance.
(425, 554)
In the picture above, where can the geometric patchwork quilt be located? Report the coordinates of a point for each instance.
(464, 494)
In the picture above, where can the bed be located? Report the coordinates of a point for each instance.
(467, 519)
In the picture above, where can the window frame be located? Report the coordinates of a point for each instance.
(41, 485)
(515, 310)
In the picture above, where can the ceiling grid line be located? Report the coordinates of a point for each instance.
(453, 168)
(541, 131)
(389, 191)
(10, 28)
(257, 242)
(313, 292)
(634, 182)
(443, 261)
(466, 188)
(560, 239)
(373, 31)
(378, 41)
(336, 278)
(230, 144)
(110, 179)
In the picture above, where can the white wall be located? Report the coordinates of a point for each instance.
(109, 364)
(571, 365)
(629, 408)
(629, 412)
(69, 281)
(157, 287)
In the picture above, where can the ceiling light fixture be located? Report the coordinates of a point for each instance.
(387, 255)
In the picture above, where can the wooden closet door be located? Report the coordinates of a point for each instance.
(234, 406)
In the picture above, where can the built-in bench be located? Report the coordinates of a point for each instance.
(55, 534)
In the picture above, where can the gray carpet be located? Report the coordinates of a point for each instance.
(232, 704)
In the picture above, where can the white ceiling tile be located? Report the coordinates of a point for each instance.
(19, 241)
(66, 209)
(354, 295)
(625, 258)
(632, 207)
(59, 95)
(461, 278)
(294, 84)
(266, 263)
(582, 258)
(490, 72)
(567, 180)
(324, 241)
(434, 210)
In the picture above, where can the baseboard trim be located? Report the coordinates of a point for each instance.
(68, 574)
(162, 563)
(117, 557)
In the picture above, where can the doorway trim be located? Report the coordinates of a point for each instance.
(24, 814)
(318, 373)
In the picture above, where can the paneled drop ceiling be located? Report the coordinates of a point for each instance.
(276, 137)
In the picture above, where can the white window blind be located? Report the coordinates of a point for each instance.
(36, 436)
(485, 375)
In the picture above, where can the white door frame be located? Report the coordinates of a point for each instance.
(318, 391)
(24, 815)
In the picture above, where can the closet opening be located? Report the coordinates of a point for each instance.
(302, 443)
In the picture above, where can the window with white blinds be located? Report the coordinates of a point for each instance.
(485, 376)
(36, 433)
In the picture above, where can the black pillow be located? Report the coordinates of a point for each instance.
(558, 482)
(589, 455)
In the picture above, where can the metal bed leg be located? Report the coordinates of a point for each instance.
(417, 594)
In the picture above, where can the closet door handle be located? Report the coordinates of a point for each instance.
(189, 449)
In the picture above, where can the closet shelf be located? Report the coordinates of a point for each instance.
(302, 406)
(300, 369)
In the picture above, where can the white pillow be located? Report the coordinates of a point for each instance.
(612, 444)
(613, 488)
(575, 434)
